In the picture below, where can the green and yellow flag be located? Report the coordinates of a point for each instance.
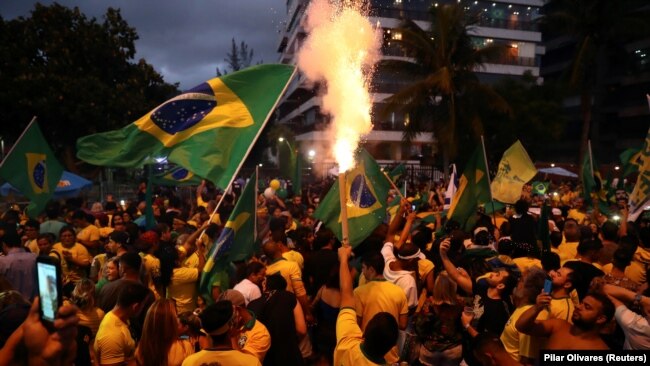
(515, 170)
(397, 173)
(473, 191)
(640, 197)
(208, 130)
(540, 187)
(631, 161)
(236, 241)
(32, 168)
(177, 176)
(366, 190)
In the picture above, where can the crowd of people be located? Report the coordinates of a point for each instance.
(416, 291)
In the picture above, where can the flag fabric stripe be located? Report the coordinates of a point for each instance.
(473, 190)
(515, 170)
(204, 130)
(366, 190)
(451, 188)
(32, 168)
(237, 239)
(641, 193)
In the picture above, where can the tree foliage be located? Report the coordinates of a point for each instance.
(239, 58)
(77, 74)
(446, 96)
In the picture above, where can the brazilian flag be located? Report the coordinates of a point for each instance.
(177, 177)
(540, 188)
(208, 129)
(366, 190)
(397, 173)
(32, 168)
(236, 241)
(473, 191)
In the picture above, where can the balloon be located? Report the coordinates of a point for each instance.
(269, 193)
(282, 193)
(275, 184)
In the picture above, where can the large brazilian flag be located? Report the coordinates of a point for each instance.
(32, 168)
(208, 129)
(366, 190)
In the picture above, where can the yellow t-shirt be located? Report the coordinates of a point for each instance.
(151, 265)
(72, 272)
(636, 271)
(519, 344)
(424, 267)
(525, 263)
(568, 250)
(256, 341)
(607, 269)
(91, 318)
(348, 341)
(230, 358)
(294, 256)
(104, 232)
(32, 245)
(178, 352)
(375, 297)
(577, 215)
(90, 232)
(291, 273)
(562, 308)
(183, 288)
(113, 342)
(192, 261)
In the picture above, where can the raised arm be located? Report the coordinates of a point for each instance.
(345, 279)
(461, 278)
(527, 323)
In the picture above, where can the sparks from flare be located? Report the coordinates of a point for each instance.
(341, 49)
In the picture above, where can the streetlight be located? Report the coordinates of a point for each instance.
(282, 139)
(311, 154)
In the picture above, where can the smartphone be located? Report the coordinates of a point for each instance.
(412, 207)
(548, 286)
(48, 273)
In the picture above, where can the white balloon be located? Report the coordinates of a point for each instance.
(269, 193)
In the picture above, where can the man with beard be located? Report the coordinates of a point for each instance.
(589, 318)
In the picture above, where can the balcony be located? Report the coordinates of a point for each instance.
(489, 22)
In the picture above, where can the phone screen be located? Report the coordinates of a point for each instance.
(48, 290)
(548, 286)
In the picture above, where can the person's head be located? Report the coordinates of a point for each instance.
(444, 290)
(275, 282)
(148, 241)
(131, 296)
(521, 207)
(117, 220)
(44, 242)
(324, 238)
(372, 265)
(189, 324)
(83, 295)
(159, 332)
(163, 231)
(52, 210)
(550, 261)
(80, 219)
(117, 240)
(31, 229)
(380, 334)
(565, 278)
(532, 285)
(590, 249)
(256, 272)
(409, 255)
(279, 237)
(571, 231)
(622, 257)
(113, 269)
(481, 236)
(595, 311)
(130, 264)
(216, 320)
(271, 250)
(297, 200)
(556, 239)
(504, 280)
(67, 236)
(609, 231)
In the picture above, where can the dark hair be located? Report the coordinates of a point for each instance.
(622, 257)
(608, 306)
(110, 206)
(131, 260)
(277, 223)
(533, 284)
(80, 215)
(375, 261)
(521, 207)
(380, 334)
(550, 261)
(46, 236)
(11, 238)
(574, 277)
(510, 282)
(609, 231)
(279, 236)
(132, 293)
(215, 316)
(422, 237)
(253, 268)
(556, 239)
(33, 223)
(482, 238)
(275, 282)
(120, 237)
(67, 228)
(588, 245)
(52, 210)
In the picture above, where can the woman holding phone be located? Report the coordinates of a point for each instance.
(75, 259)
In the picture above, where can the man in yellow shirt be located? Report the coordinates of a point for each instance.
(217, 320)
(290, 271)
(569, 248)
(87, 233)
(113, 342)
(353, 347)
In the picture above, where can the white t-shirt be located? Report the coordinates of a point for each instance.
(635, 327)
(403, 279)
(250, 290)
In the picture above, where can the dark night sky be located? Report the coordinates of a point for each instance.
(185, 40)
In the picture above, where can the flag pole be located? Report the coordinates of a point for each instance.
(17, 140)
(487, 173)
(591, 159)
(392, 184)
(257, 175)
(344, 209)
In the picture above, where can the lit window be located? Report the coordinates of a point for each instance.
(397, 36)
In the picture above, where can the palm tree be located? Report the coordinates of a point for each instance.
(446, 96)
(599, 28)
